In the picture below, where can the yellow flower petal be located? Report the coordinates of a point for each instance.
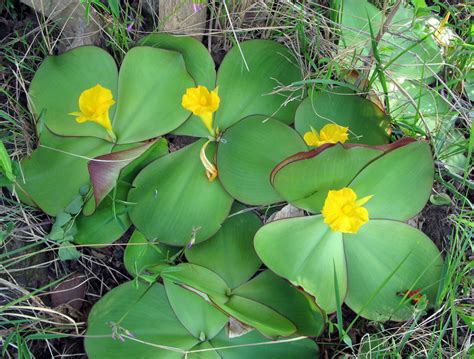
(342, 211)
(311, 138)
(94, 105)
(202, 103)
(330, 133)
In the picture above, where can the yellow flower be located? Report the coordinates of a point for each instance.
(94, 105)
(330, 133)
(343, 212)
(202, 103)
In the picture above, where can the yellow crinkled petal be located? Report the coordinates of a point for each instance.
(94, 105)
(332, 133)
(311, 138)
(342, 211)
(202, 103)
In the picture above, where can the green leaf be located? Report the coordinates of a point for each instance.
(385, 258)
(308, 259)
(143, 311)
(6, 164)
(142, 256)
(157, 150)
(230, 251)
(198, 316)
(278, 294)
(250, 91)
(199, 64)
(305, 348)
(440, 199)
(56, 234)
(173, 200)
(372, 256)
(305, 178)
(75, 206)
(127, 174)
(150, 85)
(108, 223)
(105, 170)
(467, 319)
(253, 307)
(200, 278)
(54, 174)
(266, 320)
(114, 8)
(62, 218)
(367, 123)
(424, 108)
(197, 58)
(247, 153)
(67, 251)
(399, 181)
(407, 50)
(469, 83)
(60, 80)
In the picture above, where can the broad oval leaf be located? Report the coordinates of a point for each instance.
(150, 86)
(143, 311)
(305, 251)
(230, 252)
(248, 81)
(367, 123)
(265, 319)
(247, 153)
(421, 107)
(53, 175)
(158, 333)
(400, 182)
(199, 64)
(173, 201)
(60, 80)
(204, 281)
(282, 297)
(197, 58)
(305, 178)
(253, 307)
(384, 259)
(201, 318)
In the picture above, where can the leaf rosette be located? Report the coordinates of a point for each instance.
(376, 265)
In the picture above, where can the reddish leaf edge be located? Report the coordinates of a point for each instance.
(104, 170)
(315, 152)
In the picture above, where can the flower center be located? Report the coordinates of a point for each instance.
(346, 209)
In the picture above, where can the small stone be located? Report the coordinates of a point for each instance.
(289, 211)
